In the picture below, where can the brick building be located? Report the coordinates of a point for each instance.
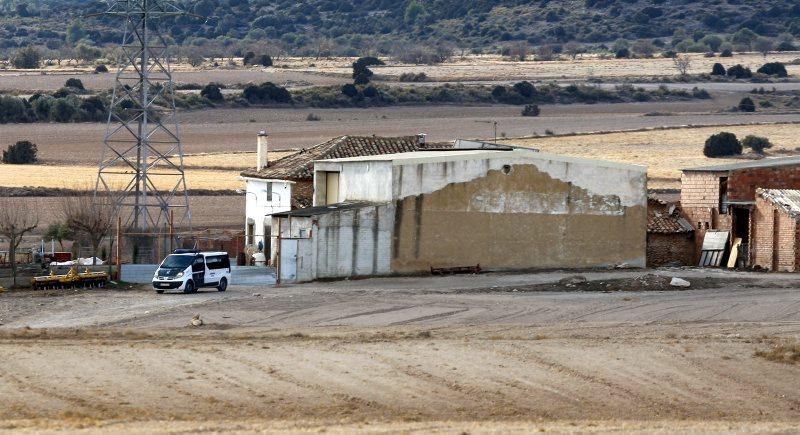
(670, 237)
(723, 197)
(776, 230)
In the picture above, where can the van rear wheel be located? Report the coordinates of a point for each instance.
(189, 288)
(223, 285)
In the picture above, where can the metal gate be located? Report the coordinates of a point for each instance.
(288, 260)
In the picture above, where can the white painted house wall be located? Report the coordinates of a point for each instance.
(258, 206)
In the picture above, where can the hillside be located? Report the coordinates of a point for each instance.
(342, 27)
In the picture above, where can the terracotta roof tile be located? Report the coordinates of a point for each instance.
(300, 166)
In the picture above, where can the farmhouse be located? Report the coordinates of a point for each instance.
(287, 183)
(499, 209)
(722, 198)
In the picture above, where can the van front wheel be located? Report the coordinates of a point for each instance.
(189, 287)
(223, 285)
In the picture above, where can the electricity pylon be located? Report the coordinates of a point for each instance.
(141, 167)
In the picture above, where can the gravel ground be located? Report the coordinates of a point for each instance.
(460, 353)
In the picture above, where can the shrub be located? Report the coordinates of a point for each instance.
(756, 143)
(265, 60)
(525, 88)
(75, 83)
(531, 110)
(248, 58)
(212, 91)
(623, 53)
(361, 71)
(313, 117)
(101, 69)
(739, 72)
(350, 90)
(370, 92)
(412, 77)
(266, 93)
(718, 70)
(726, 53)
(773, 69)
(26, 58)
(747, 105)
(498, 91)
(61, 110)
(22, 152)
(721, 145)
(701, 94)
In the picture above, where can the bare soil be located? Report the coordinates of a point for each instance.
(405, 354)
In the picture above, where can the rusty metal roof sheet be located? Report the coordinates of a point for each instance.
(786, 199)
(300, 166)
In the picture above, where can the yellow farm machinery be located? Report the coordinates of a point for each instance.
(73, 279)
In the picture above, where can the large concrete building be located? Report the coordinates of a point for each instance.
(502, 210)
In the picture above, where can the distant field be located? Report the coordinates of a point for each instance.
(207, 211)
(231, 130)
(665, 152)
(294, 72)
(75, 177)
(494, 68)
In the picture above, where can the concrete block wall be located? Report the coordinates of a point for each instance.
(771, 243)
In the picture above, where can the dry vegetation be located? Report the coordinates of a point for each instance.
(496, 68)
(664, 152)
(788, 353)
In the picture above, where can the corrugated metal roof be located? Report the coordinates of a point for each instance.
(300, 166)
(324, 209)
(787, 199)
(762, 163)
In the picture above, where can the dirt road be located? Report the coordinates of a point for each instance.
(452, 354)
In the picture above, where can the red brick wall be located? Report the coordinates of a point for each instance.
(743, 183)
(764, 234)
(670, 249)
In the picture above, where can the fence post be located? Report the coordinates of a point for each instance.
(119, 250)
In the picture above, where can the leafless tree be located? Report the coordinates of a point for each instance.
(682, 63)
(16, 220)
(89, 216)
(545, 52)
(573, 49)
(763, 46)
(519, 51)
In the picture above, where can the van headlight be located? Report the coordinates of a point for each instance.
(179, 275)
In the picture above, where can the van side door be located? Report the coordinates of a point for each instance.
(199, 271)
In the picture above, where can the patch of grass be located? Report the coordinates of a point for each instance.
(787, 353)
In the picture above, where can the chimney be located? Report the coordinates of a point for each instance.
(261, 151)
(421, 139)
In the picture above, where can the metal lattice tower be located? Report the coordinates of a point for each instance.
(142, 162)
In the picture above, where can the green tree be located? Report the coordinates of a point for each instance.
(747, 105)
(59, 232)
(75, 32)
(61, 110)
(721, 145)
(712, 41)
(26, 58)
(773, 69)
(414, 11)
(756, 143)
(718, 70)
(87, 53)
(212, 92)
(75, 83)
(22, 152)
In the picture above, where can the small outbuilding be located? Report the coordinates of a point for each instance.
(776, 230)
(670, 237)
(500, 209)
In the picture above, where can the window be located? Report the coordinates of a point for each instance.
(331, 188)
(269, 192)
(723, 195)
(251, 232)
(218, 262)
(198, 265)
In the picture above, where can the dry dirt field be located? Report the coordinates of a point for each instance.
(664, 152)
(493, 68)
(414, 355)
(207, 212)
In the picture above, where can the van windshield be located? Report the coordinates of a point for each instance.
(177, 261)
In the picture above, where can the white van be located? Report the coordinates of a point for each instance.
(188, 270)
